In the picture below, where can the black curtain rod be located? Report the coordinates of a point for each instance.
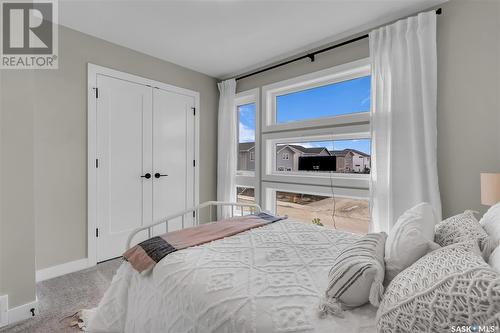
(312, 55)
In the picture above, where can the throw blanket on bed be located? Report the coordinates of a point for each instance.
(145, 255)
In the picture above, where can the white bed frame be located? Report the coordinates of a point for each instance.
(254, 208)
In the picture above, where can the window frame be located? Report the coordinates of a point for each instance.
(348, 71)
(341, 127)
(245, 178)
(270, 140)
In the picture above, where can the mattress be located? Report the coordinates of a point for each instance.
(268, 279)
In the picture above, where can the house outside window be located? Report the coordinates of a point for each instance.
(285, 156)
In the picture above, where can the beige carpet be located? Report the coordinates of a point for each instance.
(63, 296)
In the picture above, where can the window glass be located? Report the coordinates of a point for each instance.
(351, 215)
(341, 156)
(246, 137)
(346, 97)
(245, 195)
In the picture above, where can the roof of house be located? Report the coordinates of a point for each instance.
(305, 150)
(342, 153)
(246, 146)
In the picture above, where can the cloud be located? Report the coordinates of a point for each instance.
(247, 134)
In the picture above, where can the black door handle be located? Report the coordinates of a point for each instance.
(158, 175)
(147, 176)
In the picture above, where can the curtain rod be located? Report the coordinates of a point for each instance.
(311, 55)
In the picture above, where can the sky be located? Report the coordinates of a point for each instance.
(346, 97)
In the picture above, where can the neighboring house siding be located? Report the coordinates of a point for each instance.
(340, 163)
(360, 162)
(284, 165)
(244, 161)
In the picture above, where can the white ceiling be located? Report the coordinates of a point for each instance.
(224, 38)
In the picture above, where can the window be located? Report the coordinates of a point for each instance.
(331, 97)
(247, 109)
(351, 215)
(316, 147)
(345, 97)
(245, 195)
(340, 156)
(246, 137)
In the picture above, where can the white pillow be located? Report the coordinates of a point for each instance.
(464, 227)
(494, 260)
(491, 222)
(356, 276)
(411, 238)
(450, 287)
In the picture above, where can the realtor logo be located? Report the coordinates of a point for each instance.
(29, 34)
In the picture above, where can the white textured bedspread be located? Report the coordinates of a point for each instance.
(268, 279)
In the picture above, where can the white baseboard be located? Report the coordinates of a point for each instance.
(58, 270)
(23, 312)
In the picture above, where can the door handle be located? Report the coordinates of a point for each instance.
(158, 175)
(147, 176)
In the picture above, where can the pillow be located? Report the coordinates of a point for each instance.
(461, 228)
(452, 286)
(491, 222)
(410, 239)
(356, 276)
(494, 259)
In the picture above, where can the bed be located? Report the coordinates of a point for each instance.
(267, 279)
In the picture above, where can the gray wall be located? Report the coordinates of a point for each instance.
(468, 101)
(468, 89)
(45, 153)
(17, 243)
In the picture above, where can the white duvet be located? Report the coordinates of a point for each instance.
(267, 279)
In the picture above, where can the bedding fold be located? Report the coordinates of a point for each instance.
(145, 255)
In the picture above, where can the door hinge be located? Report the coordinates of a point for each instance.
(96, 163)
(96, 92)
(194, 163)
(194, 111)
(96, 232)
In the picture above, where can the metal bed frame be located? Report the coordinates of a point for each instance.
(254, 208)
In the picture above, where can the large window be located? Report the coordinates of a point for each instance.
(316, 147)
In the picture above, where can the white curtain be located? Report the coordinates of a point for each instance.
(226, 159)
(403, 119)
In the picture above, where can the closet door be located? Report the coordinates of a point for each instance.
(173, 156)
(124, 152)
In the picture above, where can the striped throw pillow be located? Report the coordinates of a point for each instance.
(356, 277)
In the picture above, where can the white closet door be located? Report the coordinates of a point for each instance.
(173, 155)
(124, 151)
